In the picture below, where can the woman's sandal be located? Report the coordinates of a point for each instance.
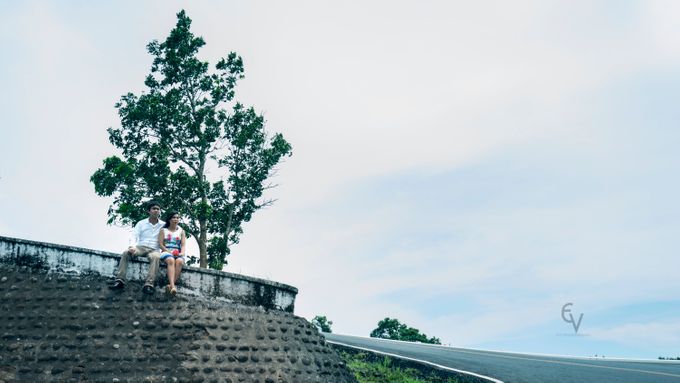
(168, 289)
(173, 291)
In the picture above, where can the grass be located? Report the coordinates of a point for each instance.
(383, 369)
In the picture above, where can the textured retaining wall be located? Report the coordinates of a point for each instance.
(64, 327)
(194, 281)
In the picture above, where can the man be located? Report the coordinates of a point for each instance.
(144, 243)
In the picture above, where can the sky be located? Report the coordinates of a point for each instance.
(465, 167)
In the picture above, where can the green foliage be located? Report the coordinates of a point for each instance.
(322, 323)
(380, 369)
(184, 127)
(392, 329)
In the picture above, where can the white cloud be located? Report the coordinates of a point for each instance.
(664, 333)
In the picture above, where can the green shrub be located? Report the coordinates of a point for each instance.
(372, 369)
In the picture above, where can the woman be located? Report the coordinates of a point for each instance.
(172, 240)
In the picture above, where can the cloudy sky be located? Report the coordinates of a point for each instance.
(465, 167)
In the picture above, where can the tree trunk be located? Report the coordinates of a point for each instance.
(203, 220)
(203, 243)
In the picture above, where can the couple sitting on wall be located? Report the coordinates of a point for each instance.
(158, 241)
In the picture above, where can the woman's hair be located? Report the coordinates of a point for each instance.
(168, 217)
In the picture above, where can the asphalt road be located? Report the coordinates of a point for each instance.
(524, 368)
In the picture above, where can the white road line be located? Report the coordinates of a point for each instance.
(570, 363)
(419, 361)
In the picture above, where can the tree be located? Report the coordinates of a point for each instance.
(322, 323)
(392, 329)
(181, 130)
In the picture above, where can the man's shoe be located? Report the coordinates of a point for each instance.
(147, 289)
(117, 285)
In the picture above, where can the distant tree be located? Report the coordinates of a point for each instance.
(178, 132)
(322, 323)
(393, 329)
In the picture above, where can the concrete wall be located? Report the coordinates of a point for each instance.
(194, 281)
(65, 327)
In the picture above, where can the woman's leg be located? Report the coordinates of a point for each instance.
(178, 269)
(170, 262)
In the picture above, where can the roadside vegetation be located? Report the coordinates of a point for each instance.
(389, 328)
(376, 368)
(322, 323)
(369, 368)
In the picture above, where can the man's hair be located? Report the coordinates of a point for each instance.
(151, 204)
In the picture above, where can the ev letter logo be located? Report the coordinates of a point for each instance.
(571, 320)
